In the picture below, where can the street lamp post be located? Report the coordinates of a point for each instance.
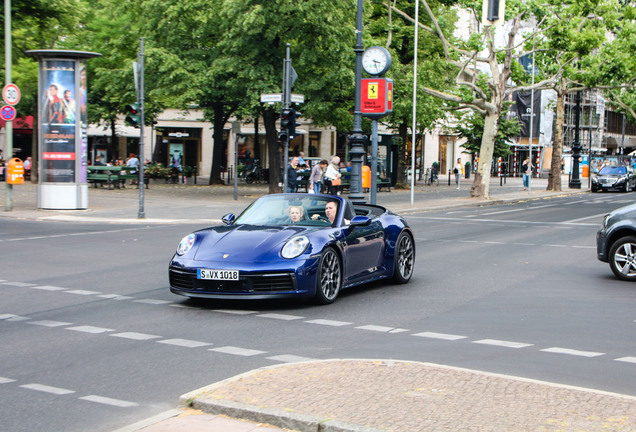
(357, 137)
(575, 181)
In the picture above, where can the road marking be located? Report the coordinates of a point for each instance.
(557, 350)
(82, 292)
(502, 343)
(90, 329)
(502, 211)
(4, 380)
(329, 322)
(49, 288)
(115, 297)
(47, 323)
(288, 358)
(503, 221)
(627, 359)
(11, 317)
(153, 301)
(443, 336)
(600, 215)
(234, 311)
(135, 336)
(383, 329)
(18, 284)
(47, 389)
(184, 343)
(109, 401)
(237, 351)
(283, 317)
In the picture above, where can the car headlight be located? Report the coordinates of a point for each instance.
(621, 180)
(186, 244)
(606, 220)
(594, 180)
(295, 247)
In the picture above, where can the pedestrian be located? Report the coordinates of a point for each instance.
(526, 170)
(292, 176)
(332, 176)
(458, 171)
(133, 162)
(315, 179)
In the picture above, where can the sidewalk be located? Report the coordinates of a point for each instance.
(167, 203)
(350, 395)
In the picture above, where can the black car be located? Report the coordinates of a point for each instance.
(616, 242)
(614, 177)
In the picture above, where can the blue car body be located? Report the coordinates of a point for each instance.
(363, 236)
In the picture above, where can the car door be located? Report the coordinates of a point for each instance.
(364, 249)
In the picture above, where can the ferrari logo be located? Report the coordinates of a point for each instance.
(373, 90)
(226, 255)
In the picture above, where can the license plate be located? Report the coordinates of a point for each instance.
(211, 274)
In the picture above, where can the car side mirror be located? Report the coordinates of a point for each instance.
(228, 218)
(360, 221)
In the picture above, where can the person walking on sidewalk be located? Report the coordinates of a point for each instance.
(315, 179)
(458, 171)
(526, 170)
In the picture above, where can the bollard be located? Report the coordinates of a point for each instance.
(449, 176)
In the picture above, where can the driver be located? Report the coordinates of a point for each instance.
(296, 213)
(331, 211)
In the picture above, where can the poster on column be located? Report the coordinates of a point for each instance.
(57, 121)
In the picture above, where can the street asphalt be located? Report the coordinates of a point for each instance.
(349, 395)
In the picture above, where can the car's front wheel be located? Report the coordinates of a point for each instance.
(622, 258)
(329, 278)
(404, 258)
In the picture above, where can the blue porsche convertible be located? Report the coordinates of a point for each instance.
(294, 245)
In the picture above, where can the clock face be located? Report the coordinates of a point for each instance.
(376, 60)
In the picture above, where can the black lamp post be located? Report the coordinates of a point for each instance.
(575, 181)
(357, 137)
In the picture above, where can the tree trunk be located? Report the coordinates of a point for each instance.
(274, 151)
(481, 183)
(218, 152)
(554, 178)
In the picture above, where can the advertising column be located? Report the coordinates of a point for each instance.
(62, 127)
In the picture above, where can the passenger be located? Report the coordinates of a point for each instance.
(296, 213)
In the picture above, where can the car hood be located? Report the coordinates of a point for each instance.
(611, 176)
(244, 242)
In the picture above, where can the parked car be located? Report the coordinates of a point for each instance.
(614, 177)
(616, 242)
(294, 245)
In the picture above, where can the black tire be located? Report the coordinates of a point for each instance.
(249, 178)
(329, 277)
(404, 259)
(594, 190)
(622, 258)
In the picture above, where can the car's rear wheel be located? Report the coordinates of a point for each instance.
(622, 258)
(329, 278)
(404, 258)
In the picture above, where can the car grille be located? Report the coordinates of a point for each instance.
(259, 283)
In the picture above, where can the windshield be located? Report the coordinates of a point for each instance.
(292, 209)
(613, 170)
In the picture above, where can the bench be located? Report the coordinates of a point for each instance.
(99, 177)
(303, 181)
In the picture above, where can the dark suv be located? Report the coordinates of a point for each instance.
(616, 242)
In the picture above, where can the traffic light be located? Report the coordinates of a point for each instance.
(133, 114)
(282, 137)
(288, 122)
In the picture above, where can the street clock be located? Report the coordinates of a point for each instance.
(376, 60)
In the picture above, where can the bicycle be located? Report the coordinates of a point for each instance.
(431, 178)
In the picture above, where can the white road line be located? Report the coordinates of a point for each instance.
(4, 380)
(11, 317)
(47, 323)
(82, 292)
(18, 284)
(153, 301)
(600, 215)
(382, 329)
(49, 288)
(626, 359)
(238, 351)
(184, 343)
(90, 329)
(502, 211)
(47, 389)
(135, 336)
(503, 221)
(502, 343)
(283, 317)
(443, 336)
(109, 401)
(329, 322)
(115, 297)
(288, 358)
(568, 351)
(234, 311)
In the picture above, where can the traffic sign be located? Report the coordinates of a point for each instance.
(11, 94)
(7, 113)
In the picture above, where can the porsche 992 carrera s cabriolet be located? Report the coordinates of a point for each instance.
(294, 245)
